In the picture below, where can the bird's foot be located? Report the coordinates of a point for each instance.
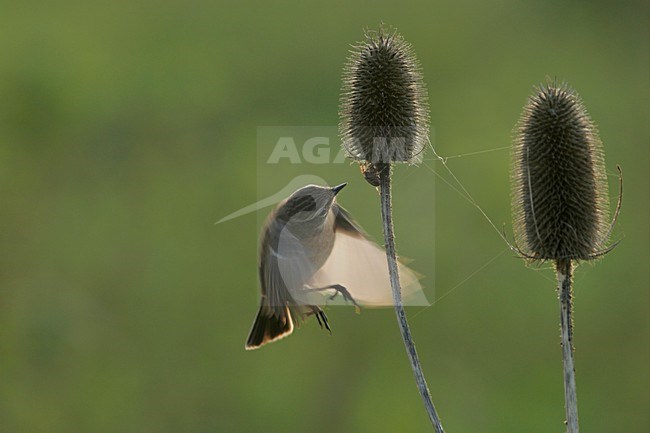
(343, 291)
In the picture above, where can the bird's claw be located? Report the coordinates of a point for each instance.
(322, 319)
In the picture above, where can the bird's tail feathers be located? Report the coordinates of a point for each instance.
(271, 324)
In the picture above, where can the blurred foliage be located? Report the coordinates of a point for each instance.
(128, 128)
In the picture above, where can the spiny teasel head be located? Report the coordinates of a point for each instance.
(384, 111)
(559, 184)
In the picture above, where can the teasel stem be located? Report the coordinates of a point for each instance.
(563, 269)
(560, 201)
(389, 238)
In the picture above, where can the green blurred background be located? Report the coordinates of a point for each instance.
(128, 128)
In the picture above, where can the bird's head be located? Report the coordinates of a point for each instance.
(310, 203)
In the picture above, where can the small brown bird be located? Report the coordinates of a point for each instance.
(311, 251)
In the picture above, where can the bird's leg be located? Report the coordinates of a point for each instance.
(338, 289)
(320, 317)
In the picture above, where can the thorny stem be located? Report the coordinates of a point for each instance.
(386, 214)
(563, 269)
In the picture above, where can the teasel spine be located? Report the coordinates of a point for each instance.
(385, 119)
(560, 201)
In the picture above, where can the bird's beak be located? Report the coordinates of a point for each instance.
(338, 188)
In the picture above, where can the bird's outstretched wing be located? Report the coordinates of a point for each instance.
(359, 264)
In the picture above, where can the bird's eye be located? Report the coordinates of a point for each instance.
(299, 204)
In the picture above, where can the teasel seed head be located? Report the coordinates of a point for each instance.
(560, 197)
(384, 111)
